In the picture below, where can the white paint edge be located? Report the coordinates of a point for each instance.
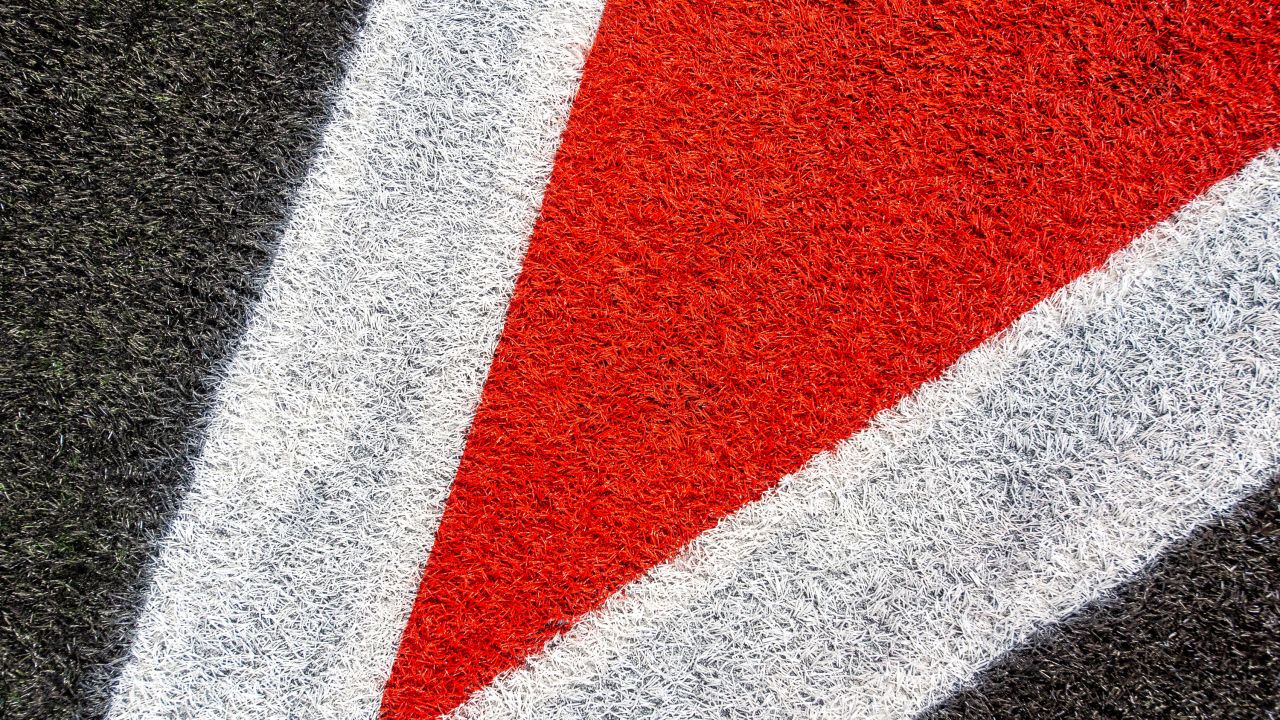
(1044, 468)
(287, 577)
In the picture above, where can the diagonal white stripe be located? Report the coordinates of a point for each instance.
(285, 581)
(1047, 466)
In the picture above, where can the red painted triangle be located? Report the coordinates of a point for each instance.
(769, 221)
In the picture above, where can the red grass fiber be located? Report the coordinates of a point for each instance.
(770, 220)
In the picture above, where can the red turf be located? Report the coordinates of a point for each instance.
(770, 220)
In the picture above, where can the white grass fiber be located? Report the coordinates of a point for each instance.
(1044, 468)
(287, 577)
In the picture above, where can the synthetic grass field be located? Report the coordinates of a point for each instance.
(148, 154)
(760, 411)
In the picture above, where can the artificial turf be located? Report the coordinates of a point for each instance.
(147, 150)
(1194, 637)
(768, 222)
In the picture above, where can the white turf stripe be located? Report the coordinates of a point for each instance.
(1046, 467)
(288, 575)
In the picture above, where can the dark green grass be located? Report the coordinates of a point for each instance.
(1197, 637)
(147, 149)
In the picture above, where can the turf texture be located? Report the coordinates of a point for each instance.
(1195, 637)
(767, 223)
(146, 155)
(147, 150)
